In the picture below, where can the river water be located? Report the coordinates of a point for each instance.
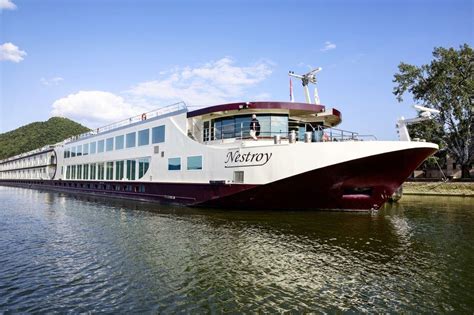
(60, 252)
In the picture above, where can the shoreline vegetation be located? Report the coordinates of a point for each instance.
(461, 189)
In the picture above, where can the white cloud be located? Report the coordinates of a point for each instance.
(328, 46)
(10, 52)
(212, 83)
(94, 108)
(7, 5)
(52, 81)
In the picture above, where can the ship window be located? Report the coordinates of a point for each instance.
(79, 172)
(79, 150)
(174, 164)
(67, 153)
(131, 140)
(86, 171)
(100, 173)
(194, 163)
(68, 172)
(158, 134)
(93, 170)
(110, 170)
(143, 165)
(141, 188)
(131, 169)
(73, 151)
(206, 133)
(144, 137)
(85, 149)
(100, 146)
(119, 170)
(119, 142)
(109, 144)
(73, 172)
(93, 147)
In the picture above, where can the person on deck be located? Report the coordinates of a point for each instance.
(254, 127)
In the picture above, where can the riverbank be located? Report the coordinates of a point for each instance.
(464, 189)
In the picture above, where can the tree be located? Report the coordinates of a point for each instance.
(446, 84)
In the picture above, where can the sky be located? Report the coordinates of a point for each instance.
(100, 61)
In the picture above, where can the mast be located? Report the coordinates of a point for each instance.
(307, 78)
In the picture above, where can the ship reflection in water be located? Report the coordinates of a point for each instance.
(82, 254)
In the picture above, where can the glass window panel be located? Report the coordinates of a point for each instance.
(194, 163)
(100, 171)
(109, 144)
(93, 170)
(131, 169)
(93, 147)
(79, 150)
(144, 137)
(131, 140)
(158, 134)
(110, 171)
(143, 165)
(119, 168)
(119, 142)
(100, 146)
(86, 171)
(73, 172)
(85, 149)
(73, 151)
(79, 172)
(174, 164)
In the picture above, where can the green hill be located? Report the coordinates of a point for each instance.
(37, 135)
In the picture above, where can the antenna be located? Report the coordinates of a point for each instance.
(307, 78)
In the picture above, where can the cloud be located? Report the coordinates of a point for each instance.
(10, 52)
(7, 5)
(52, 81)
(94, 108)
(328, 46)
(211, 83)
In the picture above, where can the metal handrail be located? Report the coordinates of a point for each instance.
(125, 122)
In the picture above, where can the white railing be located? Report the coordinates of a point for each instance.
(151, 114)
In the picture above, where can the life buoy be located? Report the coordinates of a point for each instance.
(143, 116)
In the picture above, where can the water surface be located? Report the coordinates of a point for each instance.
(60, 252)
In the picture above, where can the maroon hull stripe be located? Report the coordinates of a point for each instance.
(364, 183)
(358, 184)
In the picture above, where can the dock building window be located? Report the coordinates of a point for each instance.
(93, 170)
(131, 169)
(85, 149)
(100, 146)
(174, 164)
(144, 137)
(110, 171)
(119, 168)
(143, 165)
(194, 163)
(158, 134)
(119, 142)
(131, 140)
(100, 171)
(109, 144)
(93, 147)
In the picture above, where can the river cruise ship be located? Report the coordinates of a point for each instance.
(216, 157)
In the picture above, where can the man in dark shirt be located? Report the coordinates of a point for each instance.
(254, 127)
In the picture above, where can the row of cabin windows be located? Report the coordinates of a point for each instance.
(193, 163)
(129, 140)
(111, 170)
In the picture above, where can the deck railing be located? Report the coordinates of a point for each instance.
(131, 120)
